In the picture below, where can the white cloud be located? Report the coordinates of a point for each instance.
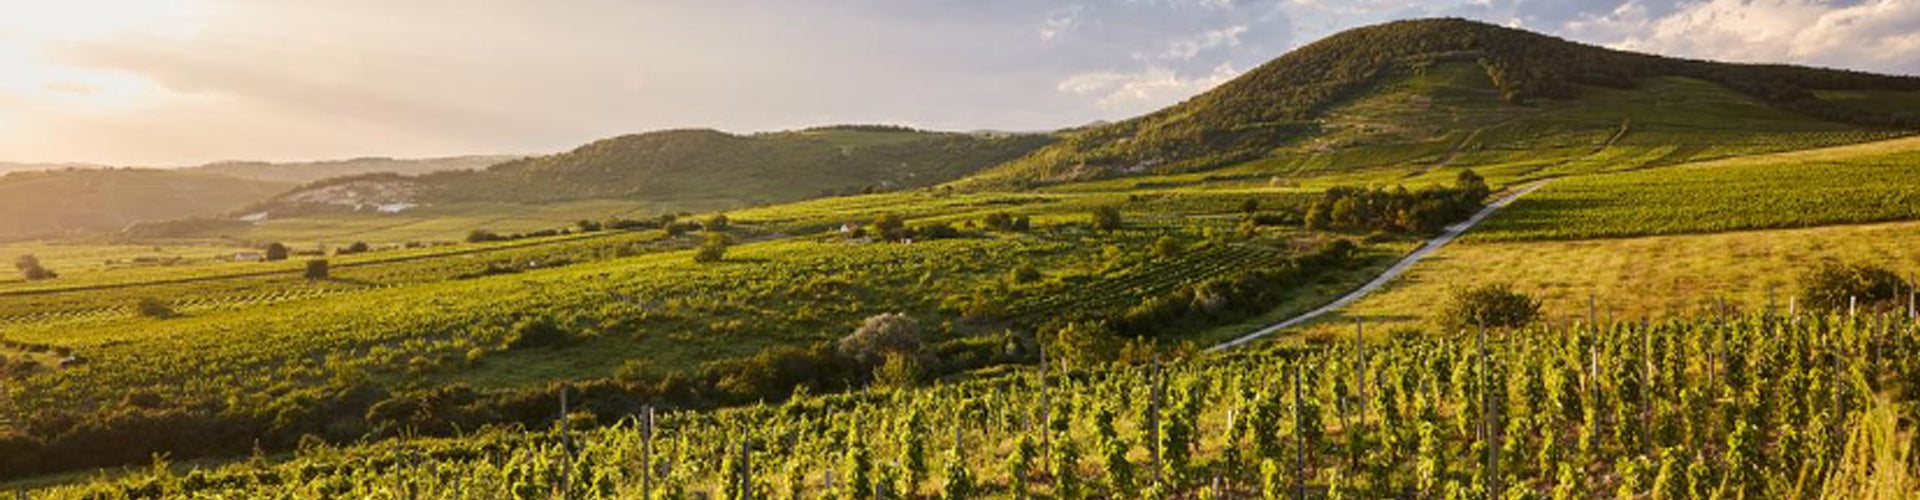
(1145, 89)
(1186, 49)
(1881, 35)
(1060, 20)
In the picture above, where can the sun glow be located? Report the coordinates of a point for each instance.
(33, 32)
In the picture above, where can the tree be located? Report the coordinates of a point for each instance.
(1471, 186)
(716, 223)
(482, 236)
(30, 267)
(1166, 247)
(1106, 218)
(1250, 206)
(276, 251)
(890, 227)
(1833, 286)
(356, 247)
(879, 336)
(1494, 305)
(1084, 344)
(317, 269)
(714, 250)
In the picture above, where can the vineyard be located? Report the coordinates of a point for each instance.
(1719, 196)
(1754, 406)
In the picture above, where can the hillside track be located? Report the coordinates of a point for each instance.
(1398, 268)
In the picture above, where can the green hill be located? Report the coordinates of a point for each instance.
(704, 166)
(1428, 90)
(317, 170)
(78, 201)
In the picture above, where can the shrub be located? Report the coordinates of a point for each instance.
(149, 307)
(1084, 344)
(716, 223)
(482, 236)
(1166, 247)
(899, 371)
(356, 247)
(1495, 305)
(1106, 218)
(537, 332)
(317, 269)
(1024, 274)
(30, 268)
(276, 251)
(879, 336)
(714, 250)
(1832, 286)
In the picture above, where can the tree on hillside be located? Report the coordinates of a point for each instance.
(276, 251)
(879, 336)
(317, 269)
(1494, 305)
(890, 227)
(1833, 286)
(716, 223)
(714, 250)
(30, 267)
(1106, 218)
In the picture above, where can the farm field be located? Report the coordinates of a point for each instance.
(1644, 277)
(1523, 411)
(1870, 183)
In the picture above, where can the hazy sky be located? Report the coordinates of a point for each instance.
(189, 81)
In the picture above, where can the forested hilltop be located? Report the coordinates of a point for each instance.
(1288, 99)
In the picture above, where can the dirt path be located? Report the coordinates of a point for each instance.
(1398, 268)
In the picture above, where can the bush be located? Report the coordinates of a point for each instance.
(1024, 274)
(1494, 305)
(898, 371)
(149, 307)
(714, 250)
(317, 269)
(1832, 286)
(276, 251)
(1084, 344)
(1166, 247)
(1106, 218)
(482, 236)
(716, 223)
(30, 268)
(356, 247)
(537, 332)
(879, 336)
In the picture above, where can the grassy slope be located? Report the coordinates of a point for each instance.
(1657, 276)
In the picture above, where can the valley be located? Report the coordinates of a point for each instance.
(882, 312)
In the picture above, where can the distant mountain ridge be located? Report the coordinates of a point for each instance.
(690, 165)
(317, 170)
(1285, 100)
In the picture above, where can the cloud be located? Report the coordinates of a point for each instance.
(1152, 86)
(186, 81)
(1876, 34)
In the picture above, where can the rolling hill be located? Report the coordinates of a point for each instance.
(1436, 91)
(316, 170)
(39, 204)
(688, 166)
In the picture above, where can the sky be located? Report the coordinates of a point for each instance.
(180, 82)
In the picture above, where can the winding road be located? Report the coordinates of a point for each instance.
(1453, 231)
